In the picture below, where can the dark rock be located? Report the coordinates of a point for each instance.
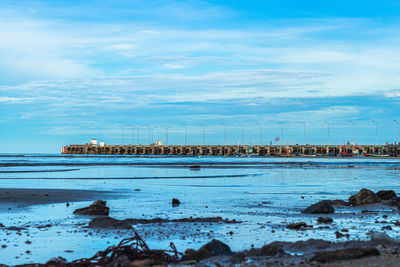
(387, 195)
(211, 249)
(344, 254)
(96, 208)
(109, 223)
(387, 228)
(339, 202)
(58, 261)
(325, 220)
(363, 197)
(339, 234)
(298, 226)
(271, 250)
(2, 225)
(322, 207)
(175, 202)
(15, 228)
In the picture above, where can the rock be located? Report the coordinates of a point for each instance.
(363, 197)
(175, 202)
(122, 261)
(344, 254)
(298, 226)
(322, 207)
(339, 202)
(96, 208)
(271, 250)
(382, 238)
(387, 195)
(325, 220)
(2, 225)
(339, 234)
(58, 261)
(211, 249)
(109, 223)
(388, 227)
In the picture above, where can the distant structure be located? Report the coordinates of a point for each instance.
(237, 150)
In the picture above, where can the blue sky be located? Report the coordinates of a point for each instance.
(73, 70)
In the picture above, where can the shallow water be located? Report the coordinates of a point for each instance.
(264, 193)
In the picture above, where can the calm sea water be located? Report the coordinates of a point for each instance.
(264, 193)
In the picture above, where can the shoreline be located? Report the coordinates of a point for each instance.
(16, 198)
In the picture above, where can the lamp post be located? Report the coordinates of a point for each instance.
(138, 135)
(329, 141)
(304, 125)
(241, 125)
(132, 127)
(122, 133)
(281, 123)
(352, 122)
(224, 133)
(398, 130)
(184, 125)
(204, 133)
(259, 125)
(376, 131)
(166, 133)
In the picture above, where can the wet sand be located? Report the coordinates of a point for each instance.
(20, 198)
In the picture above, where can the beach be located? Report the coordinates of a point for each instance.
(242, 202)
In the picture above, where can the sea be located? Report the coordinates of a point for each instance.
(263, 194)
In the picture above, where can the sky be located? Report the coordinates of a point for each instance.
(75, 70)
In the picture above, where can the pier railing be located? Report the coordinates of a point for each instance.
(232, 150)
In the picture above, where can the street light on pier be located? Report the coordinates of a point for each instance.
(224, 133)
(204, 133)
(352, 122)
(376, 131)
(122, 133)
(329, 141)
(259, 125)
(184, 125)
(398, 130)
(241, 125)
(132, 127)
(166, 133)
(304, 125)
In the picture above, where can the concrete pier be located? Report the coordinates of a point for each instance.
(233, 150)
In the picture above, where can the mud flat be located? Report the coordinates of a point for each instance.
(20, 198)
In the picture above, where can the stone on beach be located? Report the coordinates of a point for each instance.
(325, 220)
(322, 207)
(211, 249)
(344, 254)
(339, 202)
(298, 226)
(109, 223)
(387, 195)
(96, 208)
(175, 202)
(364, 197)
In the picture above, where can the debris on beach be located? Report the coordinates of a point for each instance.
(96, 208)
(129, 252)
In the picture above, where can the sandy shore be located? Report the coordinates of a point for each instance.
(11, 198)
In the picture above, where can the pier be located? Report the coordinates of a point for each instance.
(235, 150)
